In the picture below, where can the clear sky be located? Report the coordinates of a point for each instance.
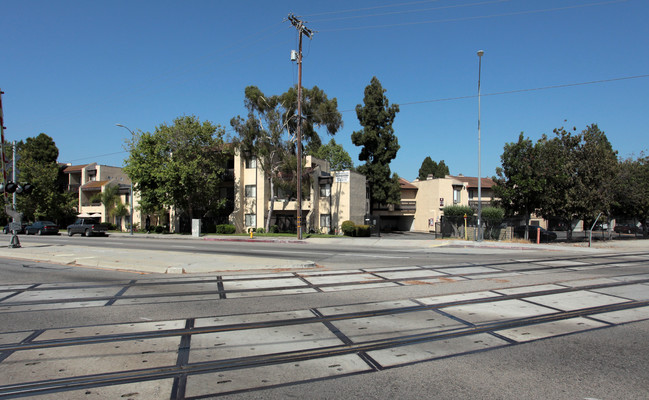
(73, 69)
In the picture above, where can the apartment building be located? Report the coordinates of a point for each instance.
(333, 197)
(89, 180)
(423, 201)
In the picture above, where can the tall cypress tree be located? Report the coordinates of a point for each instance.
(379, 144)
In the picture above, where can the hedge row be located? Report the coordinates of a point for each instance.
(351, 229)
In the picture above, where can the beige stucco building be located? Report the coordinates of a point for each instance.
(334, 197)
(89, 180)
(423, 201)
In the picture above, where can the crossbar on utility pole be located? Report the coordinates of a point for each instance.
(302, 30)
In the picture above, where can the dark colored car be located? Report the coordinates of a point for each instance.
(42, 228)
(546, 236)
(626, 228)
(7, 229)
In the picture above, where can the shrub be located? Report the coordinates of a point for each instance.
(274, 229)
(348, 228)
(112, 227)
(363, 230)
(260, 230)
(225, 229)
(159, 229)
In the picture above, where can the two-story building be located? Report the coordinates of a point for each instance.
(423, 201)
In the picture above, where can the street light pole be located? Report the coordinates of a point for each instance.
(122, 126)
(479, 238)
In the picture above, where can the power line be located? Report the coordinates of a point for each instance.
(413, 10)
(371, 8)
(410, 103)
(473, 17)
(527, 90)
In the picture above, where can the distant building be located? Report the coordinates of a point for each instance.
(90, 180)
(422, 201)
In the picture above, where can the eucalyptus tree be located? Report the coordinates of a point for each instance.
(269, 132)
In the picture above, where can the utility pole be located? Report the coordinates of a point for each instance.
(302, 30)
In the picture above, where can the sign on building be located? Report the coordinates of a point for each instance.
(342, 176)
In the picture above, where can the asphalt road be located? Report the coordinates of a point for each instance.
(393, 250)
(377, 320)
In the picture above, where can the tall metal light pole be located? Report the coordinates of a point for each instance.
(479, 238)
(122, 126)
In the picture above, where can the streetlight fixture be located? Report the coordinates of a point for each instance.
(479, 238)
(122, 126)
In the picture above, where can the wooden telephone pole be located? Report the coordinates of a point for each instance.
(302, 30)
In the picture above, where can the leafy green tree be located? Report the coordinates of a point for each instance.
(454, 215)
(631, 190)
(492, 217)
(430, 167)
(520, 184)
(179, 165)
(379, 144)
(37, 164)
(338, 158)
(596, 168)
(579, 172)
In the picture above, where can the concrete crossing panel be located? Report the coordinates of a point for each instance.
(366, 329)
(252, 318)
(366, 307)
(624, 316)
(550, 329)
(80, 360)
(364, 286)
(409, 274)
(435, 349)
(330, 280)
(118, 329)
(252, 342)
(575, 300)
(160, 389)
(451, 298)
(496, 311)
(271, 375)
(638, 292)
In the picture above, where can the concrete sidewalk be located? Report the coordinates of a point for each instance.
(174, 262)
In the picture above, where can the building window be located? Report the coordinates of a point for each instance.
(456, 195)
(325, 220)
(471, 194)
(251, 220)
(251, 162)
(325, 190)
(251, 191)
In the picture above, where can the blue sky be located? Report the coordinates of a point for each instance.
(73, 69)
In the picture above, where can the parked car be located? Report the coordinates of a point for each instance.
(626, 228)
(546, 236)
(87, 227)
(7, 229)
(42, 228)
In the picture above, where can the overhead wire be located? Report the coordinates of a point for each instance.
(444, 99)
(476, 17)
(413, 10)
